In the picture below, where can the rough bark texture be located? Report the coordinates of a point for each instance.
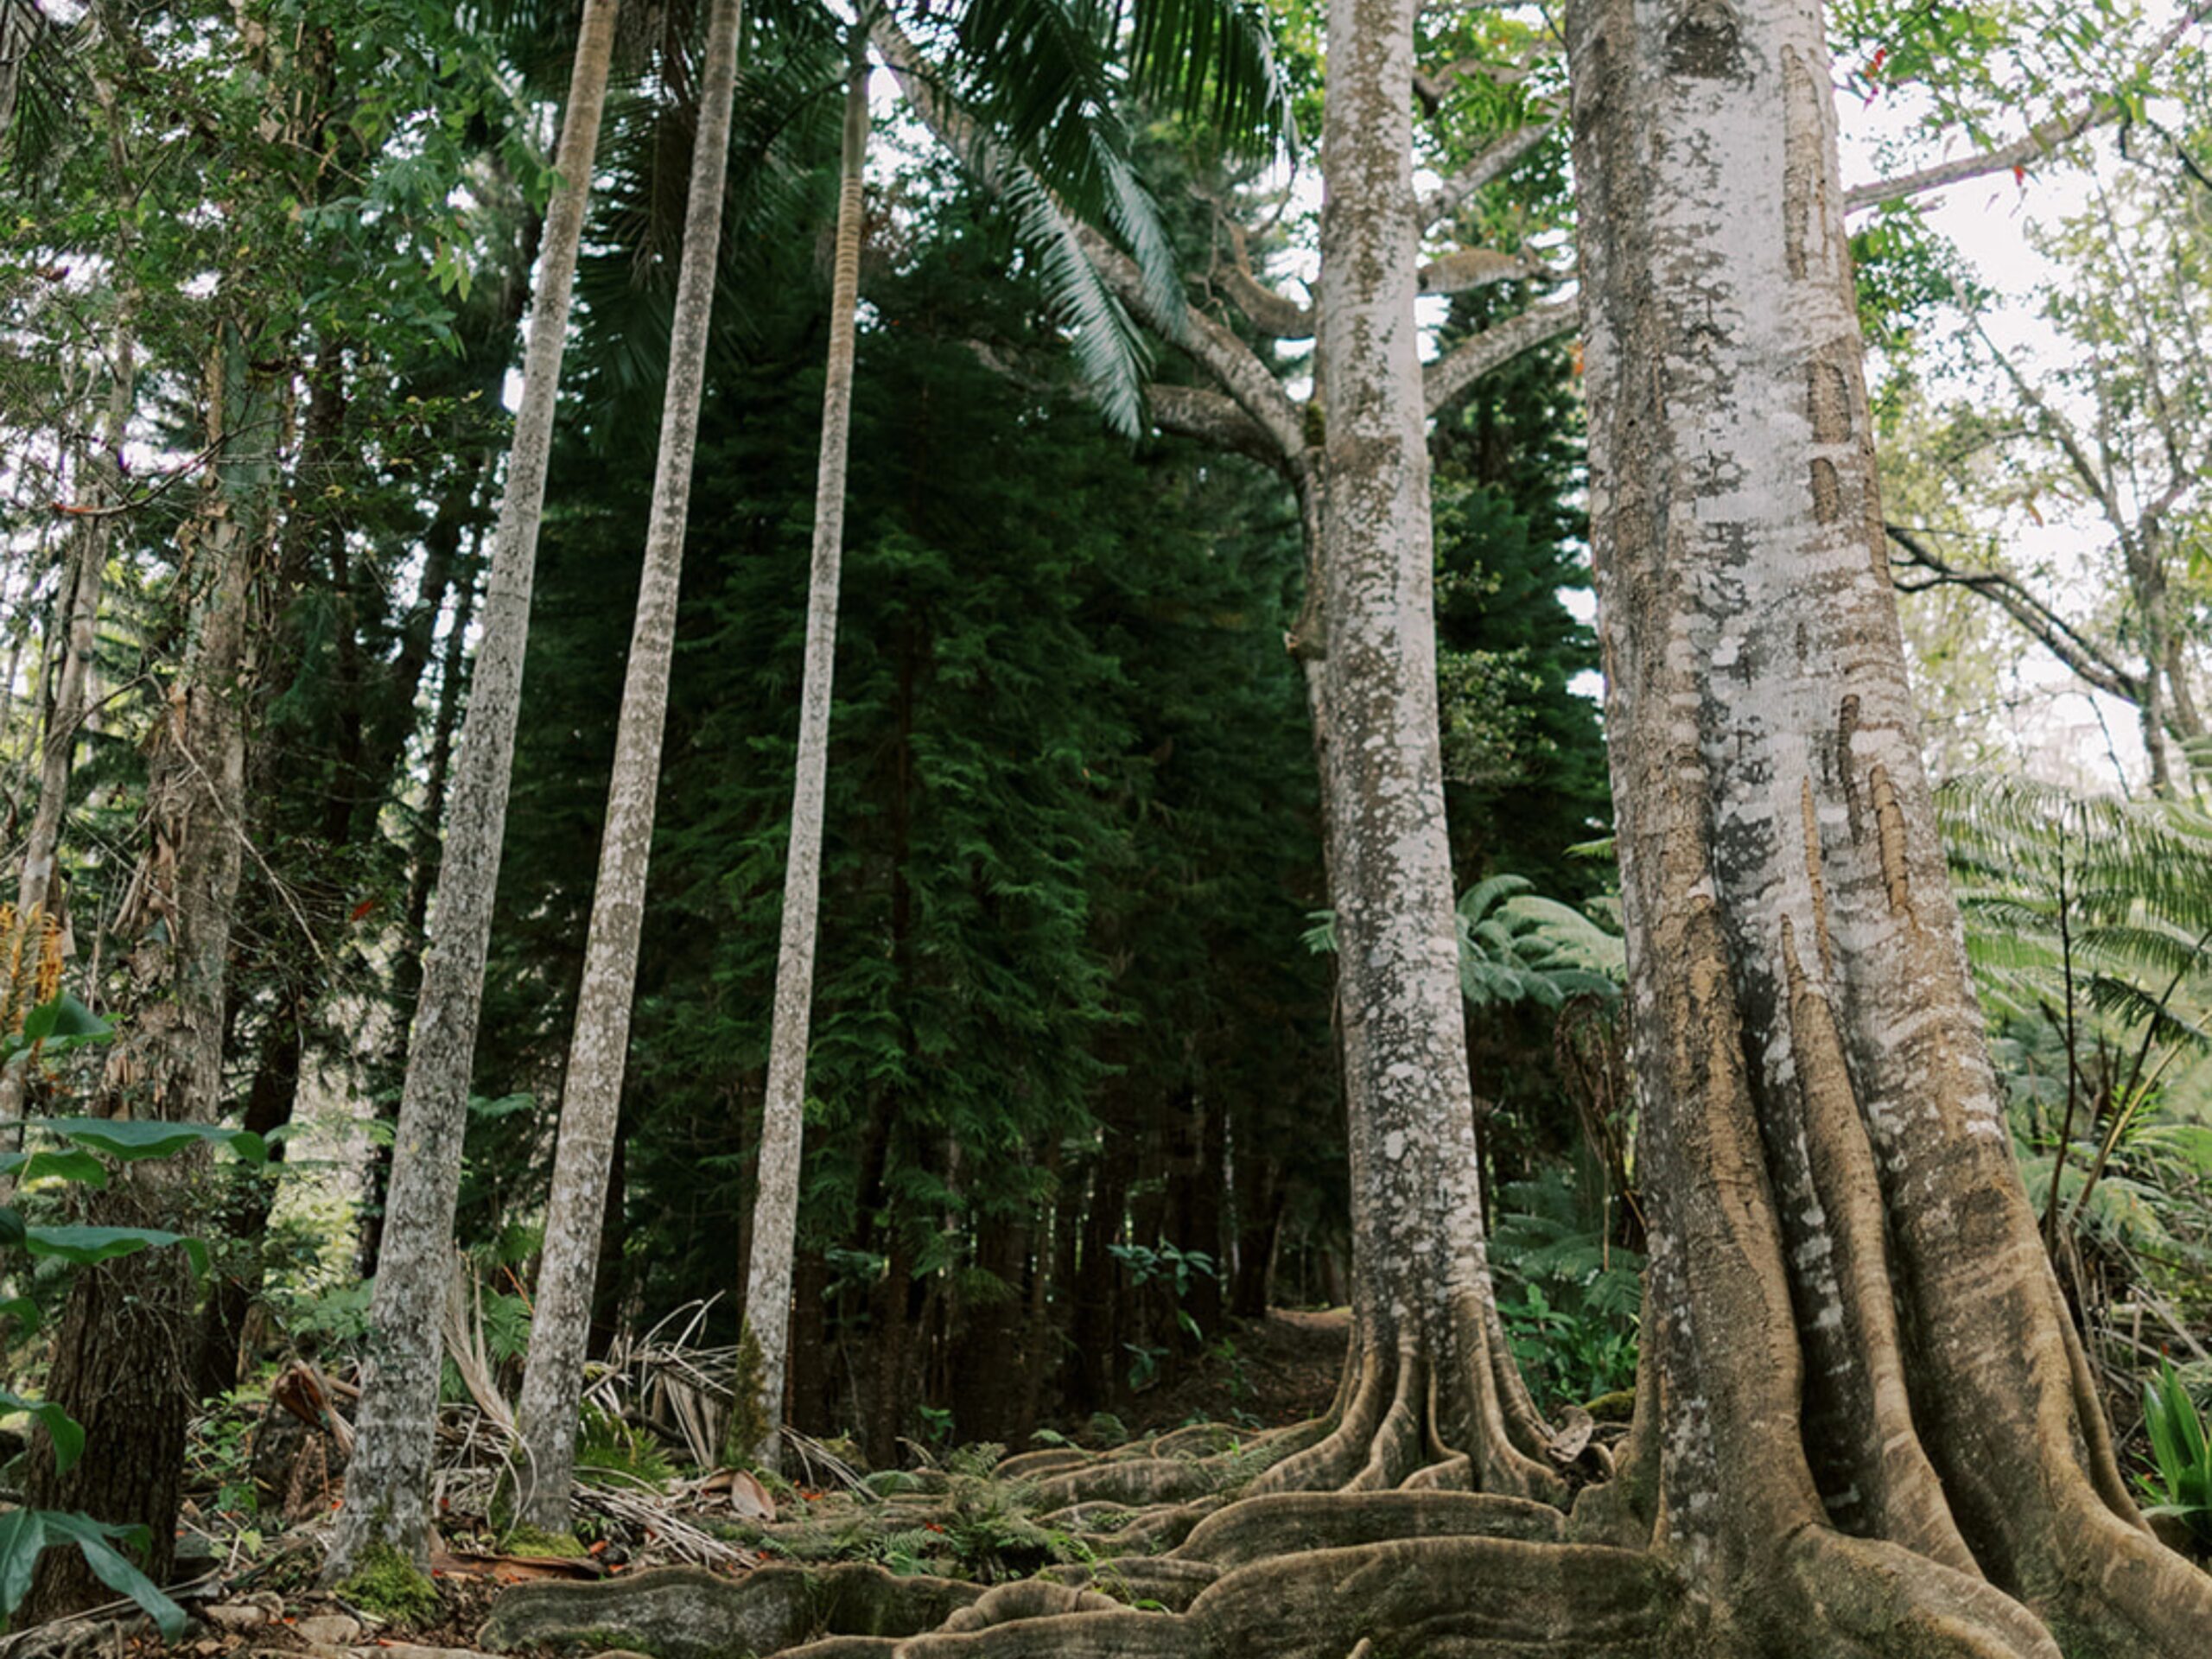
(1424, 1390)
(591, 1099)
(775, 1213)
(1874, 1428)
(121, 1357)
(388, 1481)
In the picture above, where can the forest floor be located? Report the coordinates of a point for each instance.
(1277, 1371)
(961, 1518)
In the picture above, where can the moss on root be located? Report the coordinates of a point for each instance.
(529, 1541)
(388, 1585)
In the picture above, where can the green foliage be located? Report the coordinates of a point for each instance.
(388, 1585)
(1570, 1300)
(25, 1533)
(611, 1450)
(2182, 1450)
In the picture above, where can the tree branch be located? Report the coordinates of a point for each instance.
(1491, 162)
(1211, 417)
(1473, 358)
(2098, 110)
(2086, 660)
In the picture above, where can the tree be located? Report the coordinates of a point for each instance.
(775, 1213)
(1849, 1309)
(119, 1365)
(591, 1096)
(387, 1495)
(1428, 1365)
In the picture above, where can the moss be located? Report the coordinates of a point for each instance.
(748, 1419)
(390, 1585)
(529, 1541)
(1616, 1408)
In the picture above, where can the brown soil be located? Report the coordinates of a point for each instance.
(1284, 1371)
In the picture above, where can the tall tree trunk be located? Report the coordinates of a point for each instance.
(387, 1495)
(1867, 1426)
(123, 1357)
(1428, 1387)
(591, 1102)
(421, 881)
(775, 1215)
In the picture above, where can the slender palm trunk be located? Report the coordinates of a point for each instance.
(775, 1215)
(387, 1493)
(560, 1329)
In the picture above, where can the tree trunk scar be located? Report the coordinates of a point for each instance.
(1810, 816)
(1804, 187)
(1827, 402)
(1847, 728)
(1889, 825)
(1703, 43)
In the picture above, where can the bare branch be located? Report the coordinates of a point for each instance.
(1211, 417)
(1473, 358)
(2098, 109)
(2084, 657)
(1491, 162)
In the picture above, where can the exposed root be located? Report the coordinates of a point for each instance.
(1035, 1466)
(1443, 1599)
(1137, 1481)
(691, 1613)
(1288, 1523)
(2124, 1591)
(1119, 1635)
(1862, 1597)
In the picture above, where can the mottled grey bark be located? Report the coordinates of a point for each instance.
(1428, 1393)
(775, 1213)
(1870, 1428)
(387, 1483)
(560, 1326)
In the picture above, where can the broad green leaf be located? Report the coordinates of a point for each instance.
(65, 1431)
(132, 1138)
(87, 1246)
(66, 1164)
(22, 1535)
(23, 1311)
(63, 1016)
(11, 1225)
(113, 1570)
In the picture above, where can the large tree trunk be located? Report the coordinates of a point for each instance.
(775, 1215)
(591, 1100)
(387, 1495)
(1874, 1429)
(122, 1362)
(1428, 1390)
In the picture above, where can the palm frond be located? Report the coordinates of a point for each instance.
(1111, 352)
